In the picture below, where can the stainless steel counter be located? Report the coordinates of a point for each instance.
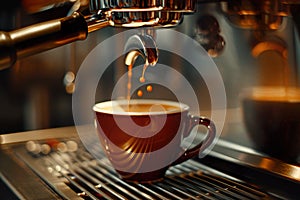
(230, 171)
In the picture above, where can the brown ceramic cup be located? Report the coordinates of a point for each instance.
(143, 138)
(272, 119)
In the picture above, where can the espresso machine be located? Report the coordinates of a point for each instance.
(43, 45)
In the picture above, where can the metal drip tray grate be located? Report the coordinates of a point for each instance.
(90, 178)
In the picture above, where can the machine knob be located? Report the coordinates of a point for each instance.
(207, 33)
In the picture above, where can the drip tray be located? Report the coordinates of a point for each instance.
(75, 174)
(96, 179)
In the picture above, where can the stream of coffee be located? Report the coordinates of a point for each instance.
(141, 79)
(144, 46)
(129, 76)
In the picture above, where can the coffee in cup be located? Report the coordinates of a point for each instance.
(272, 119)
(143, 138)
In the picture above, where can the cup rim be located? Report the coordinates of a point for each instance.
(100, 107)
(272, 93)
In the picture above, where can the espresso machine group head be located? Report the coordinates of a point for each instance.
(47, 35)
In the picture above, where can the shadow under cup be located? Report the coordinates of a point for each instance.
(143, 138)
(272, 119)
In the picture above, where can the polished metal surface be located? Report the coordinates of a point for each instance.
(139, 5)
(141, 45)
(37, 135)
(246, 156)
(47, 35)
(264, 15)
(97, 180)
(71, 172)
(163, 13)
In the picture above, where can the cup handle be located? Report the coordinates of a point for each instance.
(199, 148)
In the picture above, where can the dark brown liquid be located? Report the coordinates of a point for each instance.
(144, 107)
(149, 107)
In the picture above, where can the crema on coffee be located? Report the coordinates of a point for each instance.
(140, 106)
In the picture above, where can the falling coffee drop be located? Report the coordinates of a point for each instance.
(140, 93)
(149, 88)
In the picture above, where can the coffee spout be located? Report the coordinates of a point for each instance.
(141, 45)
